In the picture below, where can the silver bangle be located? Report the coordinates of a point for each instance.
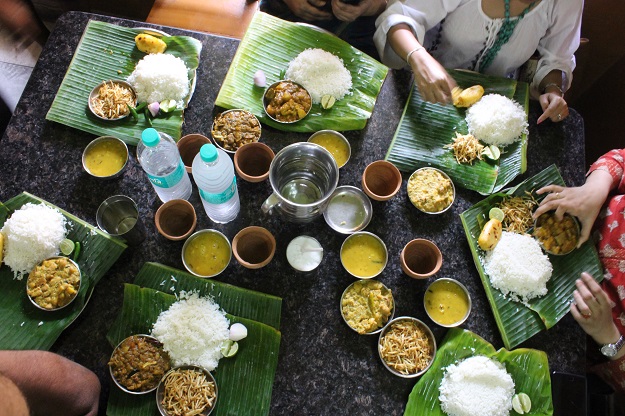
(409, 54)
(553, 84)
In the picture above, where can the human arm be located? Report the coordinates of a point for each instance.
(22, 23)
(592, 311)
(552, 99)
(309, 10)
(350, 12)
(51, 384)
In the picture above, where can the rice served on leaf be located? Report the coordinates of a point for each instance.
(32, 234)
(160, 76)
(192, 331)
(517, 266)
(497, 120)
(321, 73)
(477, 386)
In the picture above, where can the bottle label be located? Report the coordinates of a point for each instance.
(168, 181)
(225, 196)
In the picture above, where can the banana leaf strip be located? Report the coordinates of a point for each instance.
(22, 325)
(516, 321)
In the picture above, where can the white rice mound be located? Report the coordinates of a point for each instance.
(477, 386)
(160, 76)
(497, 120)
(193, 331)
(321, 73)
(32, 234)
(518, 267)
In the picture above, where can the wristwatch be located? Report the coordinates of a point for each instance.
(610, 350)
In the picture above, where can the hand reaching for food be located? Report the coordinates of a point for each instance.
(310, 10)
(583, 202)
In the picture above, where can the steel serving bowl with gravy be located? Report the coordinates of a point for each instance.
(431, 190)
(160, 391)
(286, 102)
(105, 157)
(235, 128)
(557, 237)
(206, 253)
(54, 283)
(124, 112)
(367, 303)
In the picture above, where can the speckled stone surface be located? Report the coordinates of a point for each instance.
(324, 367)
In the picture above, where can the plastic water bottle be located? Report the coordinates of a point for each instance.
(213, 173)
(158, 155)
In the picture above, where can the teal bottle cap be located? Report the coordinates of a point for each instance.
(208, 153)
(150, 137)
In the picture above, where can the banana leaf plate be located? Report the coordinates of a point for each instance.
(22, 326)
(518, 322)
(425, 128)
(108, 51)
(244, 381)
(528, 368)
(269, 45)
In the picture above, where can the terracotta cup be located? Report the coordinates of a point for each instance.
(381, 180)
(254, 247)
(421, 258)
(176, 219)
(189, 146)
(252, 161)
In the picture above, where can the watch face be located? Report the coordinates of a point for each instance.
(608, 350)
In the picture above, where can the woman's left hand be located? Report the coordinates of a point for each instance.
(350, 12)
(554, 107)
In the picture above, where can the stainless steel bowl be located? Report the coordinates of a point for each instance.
(161, 389)
(576, 230)
(453, 189)
(349, 210)
(194, 236)
(104, 139)
(359, 233)
(431, 341)
(219, 143)
(77, 290)
(266, 101)
(463, 289)
(95, 92)
(377, 331)
(342, 139)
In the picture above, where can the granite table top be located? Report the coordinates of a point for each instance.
(324, 367)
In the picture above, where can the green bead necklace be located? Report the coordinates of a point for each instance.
(504, 34)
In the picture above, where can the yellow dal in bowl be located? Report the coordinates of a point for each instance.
(446, 302)
(208, 254)
(333, 144)
(105, 158)
(363, 255)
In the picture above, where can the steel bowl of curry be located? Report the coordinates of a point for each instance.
(447, 302)
(138, 364)
(206, 253)
(286, 102)
(111, 100)
(54, 283)
(557, 237)
(431, 190)
(366, 306)
(105, 157)
(235, 128)
(364, 255)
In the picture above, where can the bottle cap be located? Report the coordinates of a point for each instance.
(208, 153)
(150, 137)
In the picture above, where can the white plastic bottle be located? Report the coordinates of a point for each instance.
(213, 173)
(159, 157)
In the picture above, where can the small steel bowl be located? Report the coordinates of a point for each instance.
(195, 236)
(349, 210)
(453, 190)
(95, 92)
(150, 339)
(161, 389)
(219, 143)
(367, 282)
(266, 101)
(431, 341)
(103, 141)
(356, 235)
(576, 229)
(342, 140)
(32, 299)
(463, 290)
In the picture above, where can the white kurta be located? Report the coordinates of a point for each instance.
(458, 32)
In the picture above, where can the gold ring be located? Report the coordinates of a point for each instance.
(559, 116)
(557, 195)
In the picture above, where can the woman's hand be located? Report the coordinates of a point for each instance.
(310, 10)
(554, 107)
(592, 311)
(583, 202)
(433, 81)
(350, 12)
